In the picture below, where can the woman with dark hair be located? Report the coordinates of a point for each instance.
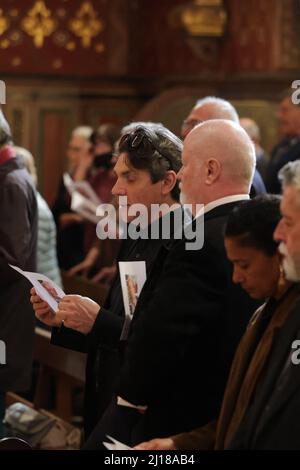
(260, 369)
(251, 249)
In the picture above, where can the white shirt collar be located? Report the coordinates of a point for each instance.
(220, 202)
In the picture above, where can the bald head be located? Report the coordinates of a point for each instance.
(207, 109)
(220, 160)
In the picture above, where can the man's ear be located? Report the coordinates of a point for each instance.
(213, 170)
(168, 182)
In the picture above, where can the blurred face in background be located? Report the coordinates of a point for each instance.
(289, 118)
(102, 152)
(196, 116)
(78, 150)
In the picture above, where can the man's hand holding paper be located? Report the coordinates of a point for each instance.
(78, 313)
(42, 310)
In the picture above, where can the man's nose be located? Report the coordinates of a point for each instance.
(117, 190)
(279, 233)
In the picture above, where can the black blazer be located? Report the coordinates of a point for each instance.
(288, 150)
(258, 185)
(102, 345)
(187, 324)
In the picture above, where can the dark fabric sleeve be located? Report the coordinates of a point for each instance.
(106, 329)
(182, 318)
(69, 339)
(60, 205)
(15, 233)
(203, 438)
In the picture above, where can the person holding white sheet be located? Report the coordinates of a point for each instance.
(146, 174)
(18, 242)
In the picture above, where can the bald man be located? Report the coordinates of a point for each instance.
(191, 316)
(212, 107)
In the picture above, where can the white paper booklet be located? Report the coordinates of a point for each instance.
(83, 187)
(36, 279)
(84, 200)
(133, 276)
(115, 445)
(83, 206)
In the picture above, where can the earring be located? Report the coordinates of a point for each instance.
(281, 280)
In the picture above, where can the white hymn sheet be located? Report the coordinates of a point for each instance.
(82, 187)
(84, 207)
(133, 276)
(115, 445)
(35, 279)
(84, 200)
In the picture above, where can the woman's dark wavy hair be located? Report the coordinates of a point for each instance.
(253, 222)
(154, 148)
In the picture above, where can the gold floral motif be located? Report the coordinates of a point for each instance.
(16, 61)
(99, 47)
(4, 44)
(16, 37)
(60, 38)
(71, 46)
(200, 18)
(4, 23)
(86, 24)
(14, 13)
(38, 23)
(61, 13)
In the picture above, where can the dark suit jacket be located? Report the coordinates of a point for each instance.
(288, 150)
(188, 321)
(103, 345)
(18, 238)
(258, 185)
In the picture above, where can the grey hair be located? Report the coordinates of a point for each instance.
(133, 125)
(82, 131)
(224, 109)
(5, 132)
(251, 128)
(289, 175)
(28, 162)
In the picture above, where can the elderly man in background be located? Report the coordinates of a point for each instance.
(70, 226)
(288, 149)
(212, 107)
(272, 417)
(18, 239)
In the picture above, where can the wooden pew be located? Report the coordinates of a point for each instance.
(82, 286)
(67, 366)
